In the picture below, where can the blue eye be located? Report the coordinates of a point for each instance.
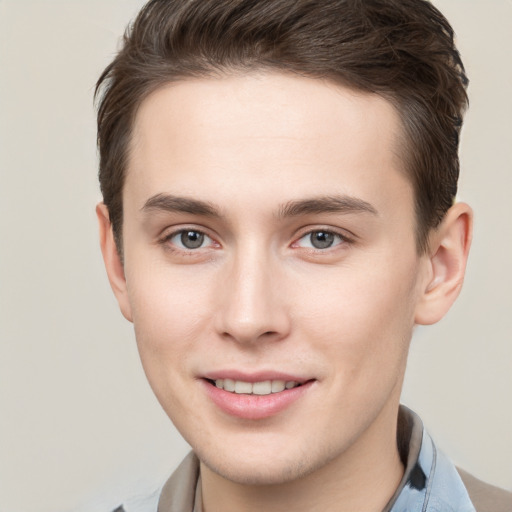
(320, 239)
(190, 239)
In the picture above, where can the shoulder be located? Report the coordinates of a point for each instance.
(486, 497)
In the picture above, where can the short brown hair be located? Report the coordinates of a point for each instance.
(402, 50)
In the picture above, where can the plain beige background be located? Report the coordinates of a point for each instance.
(79, 427)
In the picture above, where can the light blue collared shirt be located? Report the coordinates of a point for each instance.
(442, 489)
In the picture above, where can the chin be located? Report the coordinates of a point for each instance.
(264, 467)
(247, 473)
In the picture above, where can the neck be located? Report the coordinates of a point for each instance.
(364, 477)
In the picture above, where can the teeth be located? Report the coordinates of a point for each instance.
(278, 385)
(229, 385)
(265, 387)
(242, 387)
(262, 388)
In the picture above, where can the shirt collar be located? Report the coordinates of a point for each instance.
(431, 482)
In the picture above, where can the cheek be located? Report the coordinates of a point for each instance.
(361, 319)
(171, 314)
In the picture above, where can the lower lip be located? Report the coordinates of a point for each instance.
(255, 407)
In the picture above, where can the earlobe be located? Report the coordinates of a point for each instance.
(112, 260)
(449, 249)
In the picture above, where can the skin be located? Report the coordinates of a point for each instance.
(257, 296)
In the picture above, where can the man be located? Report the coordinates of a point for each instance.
(279, 180)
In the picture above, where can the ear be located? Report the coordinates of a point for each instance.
(448, 253)
(112, 260)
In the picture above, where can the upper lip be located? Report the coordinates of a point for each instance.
(252, 377)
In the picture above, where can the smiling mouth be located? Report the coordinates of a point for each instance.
(255, 399)
(266, 387)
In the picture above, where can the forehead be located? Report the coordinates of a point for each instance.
(282, 135)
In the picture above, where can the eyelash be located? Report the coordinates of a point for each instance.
(342, 240)
(166, 240)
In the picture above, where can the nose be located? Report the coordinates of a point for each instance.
(252, 305)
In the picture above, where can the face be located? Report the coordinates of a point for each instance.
(271, 269)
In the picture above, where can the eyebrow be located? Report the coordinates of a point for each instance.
(326, 204)
(316, 205)
(176, 204)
